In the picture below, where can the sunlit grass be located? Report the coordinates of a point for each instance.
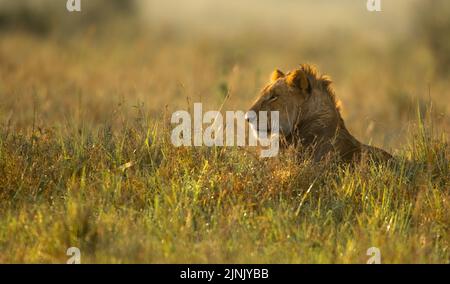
(127, 195)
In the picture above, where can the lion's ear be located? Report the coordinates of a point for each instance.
(276, 74)
(299, 79)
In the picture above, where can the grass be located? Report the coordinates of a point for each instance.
(130, 196)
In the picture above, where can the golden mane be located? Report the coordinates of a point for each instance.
(321, 82)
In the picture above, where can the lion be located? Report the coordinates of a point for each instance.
(309, 116)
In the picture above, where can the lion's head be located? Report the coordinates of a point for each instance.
(295, 95)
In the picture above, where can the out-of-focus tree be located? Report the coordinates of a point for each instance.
(42, 17)
(432, 26)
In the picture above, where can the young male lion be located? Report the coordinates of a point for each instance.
(309, 116)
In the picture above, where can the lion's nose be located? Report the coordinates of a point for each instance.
(250, 116)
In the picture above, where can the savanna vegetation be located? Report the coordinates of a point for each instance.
(86, 159)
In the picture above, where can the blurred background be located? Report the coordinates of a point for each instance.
(116, 59)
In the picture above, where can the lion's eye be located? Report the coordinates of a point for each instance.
(272, 98)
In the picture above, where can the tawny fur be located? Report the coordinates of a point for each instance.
(310, 116)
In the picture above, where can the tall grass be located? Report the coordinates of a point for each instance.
(126, 195)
